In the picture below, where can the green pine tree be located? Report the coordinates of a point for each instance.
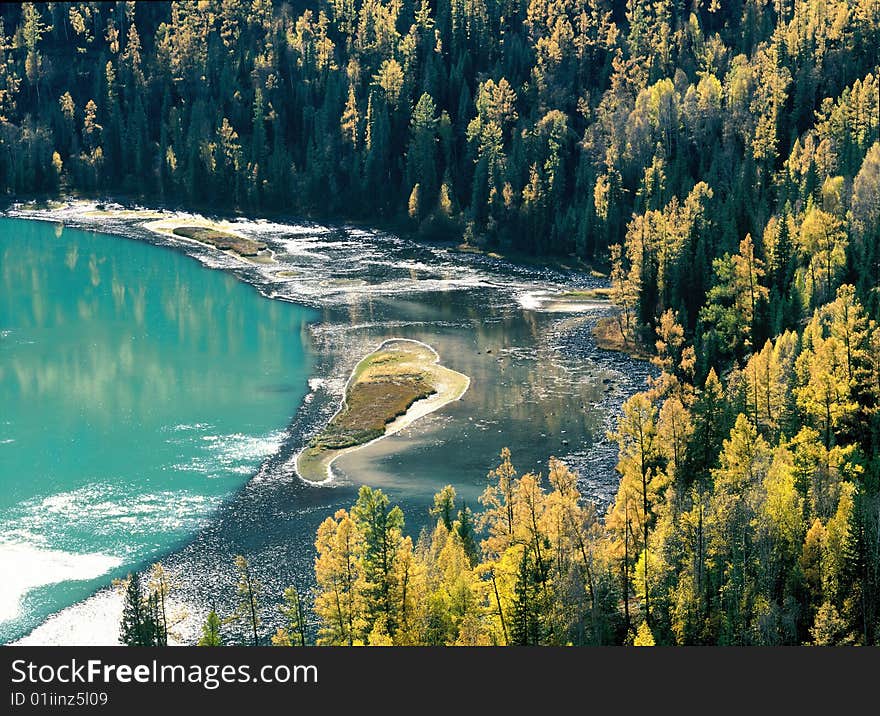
(211, 635)
(138, 627)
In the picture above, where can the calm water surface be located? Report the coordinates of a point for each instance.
(137, 391)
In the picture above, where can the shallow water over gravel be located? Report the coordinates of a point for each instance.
(539, 385)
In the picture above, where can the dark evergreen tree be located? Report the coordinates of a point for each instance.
(138, 626)
(525, 621)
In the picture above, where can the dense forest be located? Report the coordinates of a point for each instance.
(720, 157)
(546, 126)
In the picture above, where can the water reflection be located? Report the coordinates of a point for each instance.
(538, 383)
(107, 345)
(525, 392)
(132, 401)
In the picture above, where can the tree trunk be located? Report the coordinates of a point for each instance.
(253, 606)
(626, 568)
(500, 611)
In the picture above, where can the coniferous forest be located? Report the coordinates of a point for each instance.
(720, 158)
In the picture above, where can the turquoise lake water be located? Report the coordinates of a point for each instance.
(138, 389)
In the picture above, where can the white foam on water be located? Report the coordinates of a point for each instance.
(237, 453)
(405, 265)
(532, 300)
(261, 226)
(306, 246)
(92, 622)
(95, 622)
(25, 567)
(103, 509)
(183, 427)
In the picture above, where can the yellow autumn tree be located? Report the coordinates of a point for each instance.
(823, 244)
(824, 390)
(644, 637)
(499, 500)
(674, 430)
(732, 555)
(338, 601)
(767, 377)
(641, 485)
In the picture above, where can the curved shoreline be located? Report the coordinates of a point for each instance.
(448, 385)
(128, 224)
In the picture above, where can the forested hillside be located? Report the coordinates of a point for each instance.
(539, 125)
(721, 157)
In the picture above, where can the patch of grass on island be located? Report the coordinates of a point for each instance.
(587, 294)
(574, 301)
(382, 388)
(370, 406)
(221, 240)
